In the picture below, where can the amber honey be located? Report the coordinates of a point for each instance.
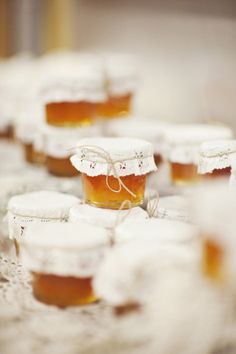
(127, 309)
(184, 173)
(213, 260)
(70, 114)
(33, 156)
(218, 173)
(158, 159)
(115, 106)
(63, 291)
(98, 193)
(61, 167)
(7, 133)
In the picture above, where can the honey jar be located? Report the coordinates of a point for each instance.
(213, 210)
(58, 148)
(174, 207)
(71, 90)
(215, 158)
(184, 142)
(129, 287)
(113, 170)
(135, 127)
(105, 218)
(30, 136)
(121, 83)
(37, 207)
(63, 260)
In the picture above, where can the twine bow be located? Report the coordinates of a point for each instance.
(111, 168)
(152, 205)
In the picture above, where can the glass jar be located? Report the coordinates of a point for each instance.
(215, 158)
(71, 89)
(129, 287)
(63, 260)
(184, 142)
(147, 129)
(106, 218)
(31, 137)
(37, 207)
(121, 82)
(213, 210)
(113, 170)
(58, 146)
(173, 207)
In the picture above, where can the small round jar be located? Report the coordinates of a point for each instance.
(121, 83)
(183, 144)
(214, 158)
(157, 231)
(213, 206)
(149, 130)
(130, 286)
(106, 218)
(37, 207)
(174, 207)
(114, 170)
(63, 260)
(58, 148)
(31, 137)
(70, 91)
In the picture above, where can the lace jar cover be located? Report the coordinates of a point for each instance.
(216, 155)
(114, 157)
(37, 207)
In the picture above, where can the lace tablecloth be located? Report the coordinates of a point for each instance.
(26, 325)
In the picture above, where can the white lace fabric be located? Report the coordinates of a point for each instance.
(216, 155)
(100, 156)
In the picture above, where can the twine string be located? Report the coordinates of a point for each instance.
(111, 168)
(152, 205)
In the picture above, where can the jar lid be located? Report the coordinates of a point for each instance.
(156, 230)
(173, 207)
(195, 134)
(121, 73)
(152, 131)
(114, 156)
(68, 79)
(144, 264)
(60, 142)
(64, 248)
(42, 204)
(104, 217)
(215, 155)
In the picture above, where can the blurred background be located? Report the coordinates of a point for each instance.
(186, 48)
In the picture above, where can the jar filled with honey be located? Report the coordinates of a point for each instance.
(37, 208)
(129, 287)
(183, 149)
(113, 170)
(215, 158)
(121, 82)
(135, 127)
(30, 135)
(63, 260)
(70, 90)
(59, 144)
(213, 210)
